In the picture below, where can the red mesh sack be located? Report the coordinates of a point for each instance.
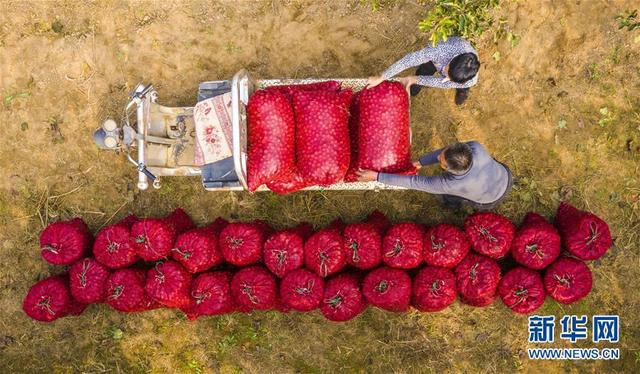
(263, 226)
(532, 218)
(281, 307)
(114, 247)
(445, 245)
(271, 137)
(322, 135)
(87, 280)
(154, 238)
(362, 245)
(477, 276)
(180, 221)
(304, 229)
(241, 243)
(584, 234)
(125, 291)
(402, 246)
(215, 227)
(289, 89)
(76, 308)
(128, 221)
(49, 299)
(342, 299)
(80, 224)
(388, 289)
(568, 280)
(211, 295)
(337, 225)
(324, 253)
(536, 244)
(288, 183)
(479, 301)
(169, 283)
(254, 288)
(197, 250)
(434, 289)
(283, 252)
(383, 132)
(490, 233)
(354, 119)
(302, 290)
(65, 242)
(379, 221)
(522, 290)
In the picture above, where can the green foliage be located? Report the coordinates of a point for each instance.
(375, 4)
(57, 27)
(614, 56)
(562, 124)
(593, 71)
(8, 99)
(378, 4)
(113, 332)
(606, 116)
(231, 47)
(194, 366)
(465, 18)
(503, 31)
(628, 20)
(527, 190)
(116, 333)
(226, 343)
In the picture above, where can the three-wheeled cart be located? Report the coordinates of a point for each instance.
(164, 137)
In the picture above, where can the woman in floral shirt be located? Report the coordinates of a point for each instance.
(454, 59)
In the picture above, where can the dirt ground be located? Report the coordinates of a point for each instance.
(66, 66)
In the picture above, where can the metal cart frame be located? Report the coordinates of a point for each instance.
(172, 128)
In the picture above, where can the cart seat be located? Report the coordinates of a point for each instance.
(219, 174)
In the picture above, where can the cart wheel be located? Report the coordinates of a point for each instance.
(156, 184)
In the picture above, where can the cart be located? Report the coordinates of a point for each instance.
(160, 141)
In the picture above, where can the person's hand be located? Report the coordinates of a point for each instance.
(417, 164)
(367, 175)
(374, 81)
(408, 81)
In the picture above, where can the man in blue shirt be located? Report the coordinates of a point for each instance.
(471, 176)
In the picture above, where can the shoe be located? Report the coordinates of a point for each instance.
(461, 96)
(415, 89)
(452, 204)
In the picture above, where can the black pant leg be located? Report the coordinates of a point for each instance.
(452, 202)
(427, 68)
(461, 95)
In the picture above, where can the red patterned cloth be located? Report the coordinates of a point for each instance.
(213, 129)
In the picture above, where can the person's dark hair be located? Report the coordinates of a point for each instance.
(458, 157)
(463, 67)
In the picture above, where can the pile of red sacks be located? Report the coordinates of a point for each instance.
(319, 134)
(143, 264)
